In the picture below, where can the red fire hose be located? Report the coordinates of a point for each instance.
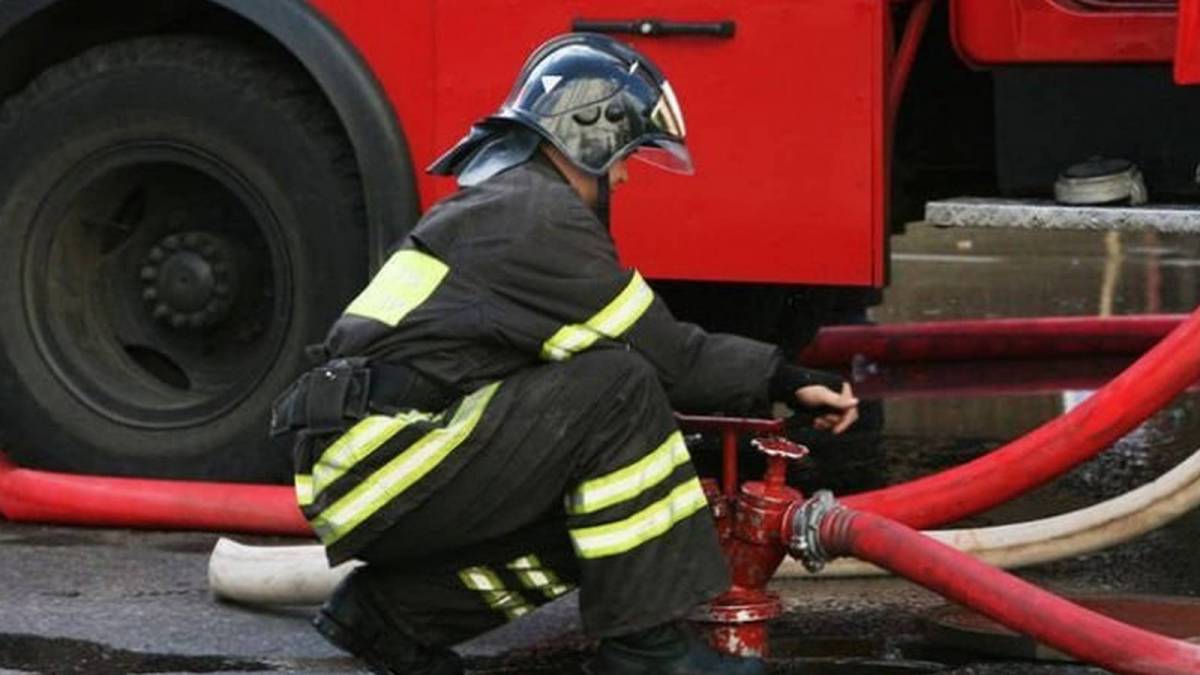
(1030, 461)
(1023, 607)
(45, 497)
(1053, 448)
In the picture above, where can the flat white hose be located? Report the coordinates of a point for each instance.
(298, 575)
(1086, 530)
(273, 575)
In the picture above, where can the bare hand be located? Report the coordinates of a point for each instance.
(839, 410)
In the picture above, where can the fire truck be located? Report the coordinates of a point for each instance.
(191, 190)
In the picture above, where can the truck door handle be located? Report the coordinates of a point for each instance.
(656, 27)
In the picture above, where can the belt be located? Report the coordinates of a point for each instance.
(332, 397)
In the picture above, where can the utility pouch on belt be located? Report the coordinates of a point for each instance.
(332, 397)
(325, 399)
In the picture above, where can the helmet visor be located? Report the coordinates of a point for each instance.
(666, 154)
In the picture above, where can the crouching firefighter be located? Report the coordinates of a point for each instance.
(494, 424)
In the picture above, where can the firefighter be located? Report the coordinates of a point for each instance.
(493, 425)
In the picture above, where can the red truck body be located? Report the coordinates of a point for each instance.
(792, 162)
(192, 190)
(789, 184)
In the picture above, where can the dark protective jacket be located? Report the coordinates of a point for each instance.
(495, 280)
(521, 271)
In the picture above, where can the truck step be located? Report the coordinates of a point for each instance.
(1035, 214)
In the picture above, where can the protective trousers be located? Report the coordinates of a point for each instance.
(585, 482)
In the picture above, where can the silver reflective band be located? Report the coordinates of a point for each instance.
(649, 523)
(406, 468)
(407, 279)
(630, 481)
(535, 576)
(304, 489)
(612, 321)
(360, 441)
(488, 584)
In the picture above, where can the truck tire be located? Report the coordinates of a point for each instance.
(179, 217)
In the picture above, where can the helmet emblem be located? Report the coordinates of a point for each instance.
(549, 82)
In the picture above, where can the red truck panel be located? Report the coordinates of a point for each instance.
(785, 121)
(989, 32)
(396, 41)
(1187, 49)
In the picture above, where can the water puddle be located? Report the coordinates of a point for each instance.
(783, 666)
(62, 539)
(852, 666)
(792, 653)
(64, 656)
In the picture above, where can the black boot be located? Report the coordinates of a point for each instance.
(669, 649)
(352, 622)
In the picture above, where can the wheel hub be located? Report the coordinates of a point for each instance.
(189, 280)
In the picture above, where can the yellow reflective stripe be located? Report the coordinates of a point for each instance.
(510, 602)
(621, 313)
(535, 576)
(631, 481)
(488, 584)
(304, 489)
(567, 341)
(480, 579)
(612, 322)
(402, 471)
(527, 562)
(614, 538)
(361, 440)
(407, 279)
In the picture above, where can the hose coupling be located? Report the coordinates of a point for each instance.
(804, 540)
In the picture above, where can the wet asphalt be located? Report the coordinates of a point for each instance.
(75, 600)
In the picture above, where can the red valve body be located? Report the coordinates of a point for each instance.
(749, 529)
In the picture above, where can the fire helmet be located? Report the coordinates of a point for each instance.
(595, 99)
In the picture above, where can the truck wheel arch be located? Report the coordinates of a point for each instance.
(381, 149)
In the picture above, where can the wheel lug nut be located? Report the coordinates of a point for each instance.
(189, 276)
